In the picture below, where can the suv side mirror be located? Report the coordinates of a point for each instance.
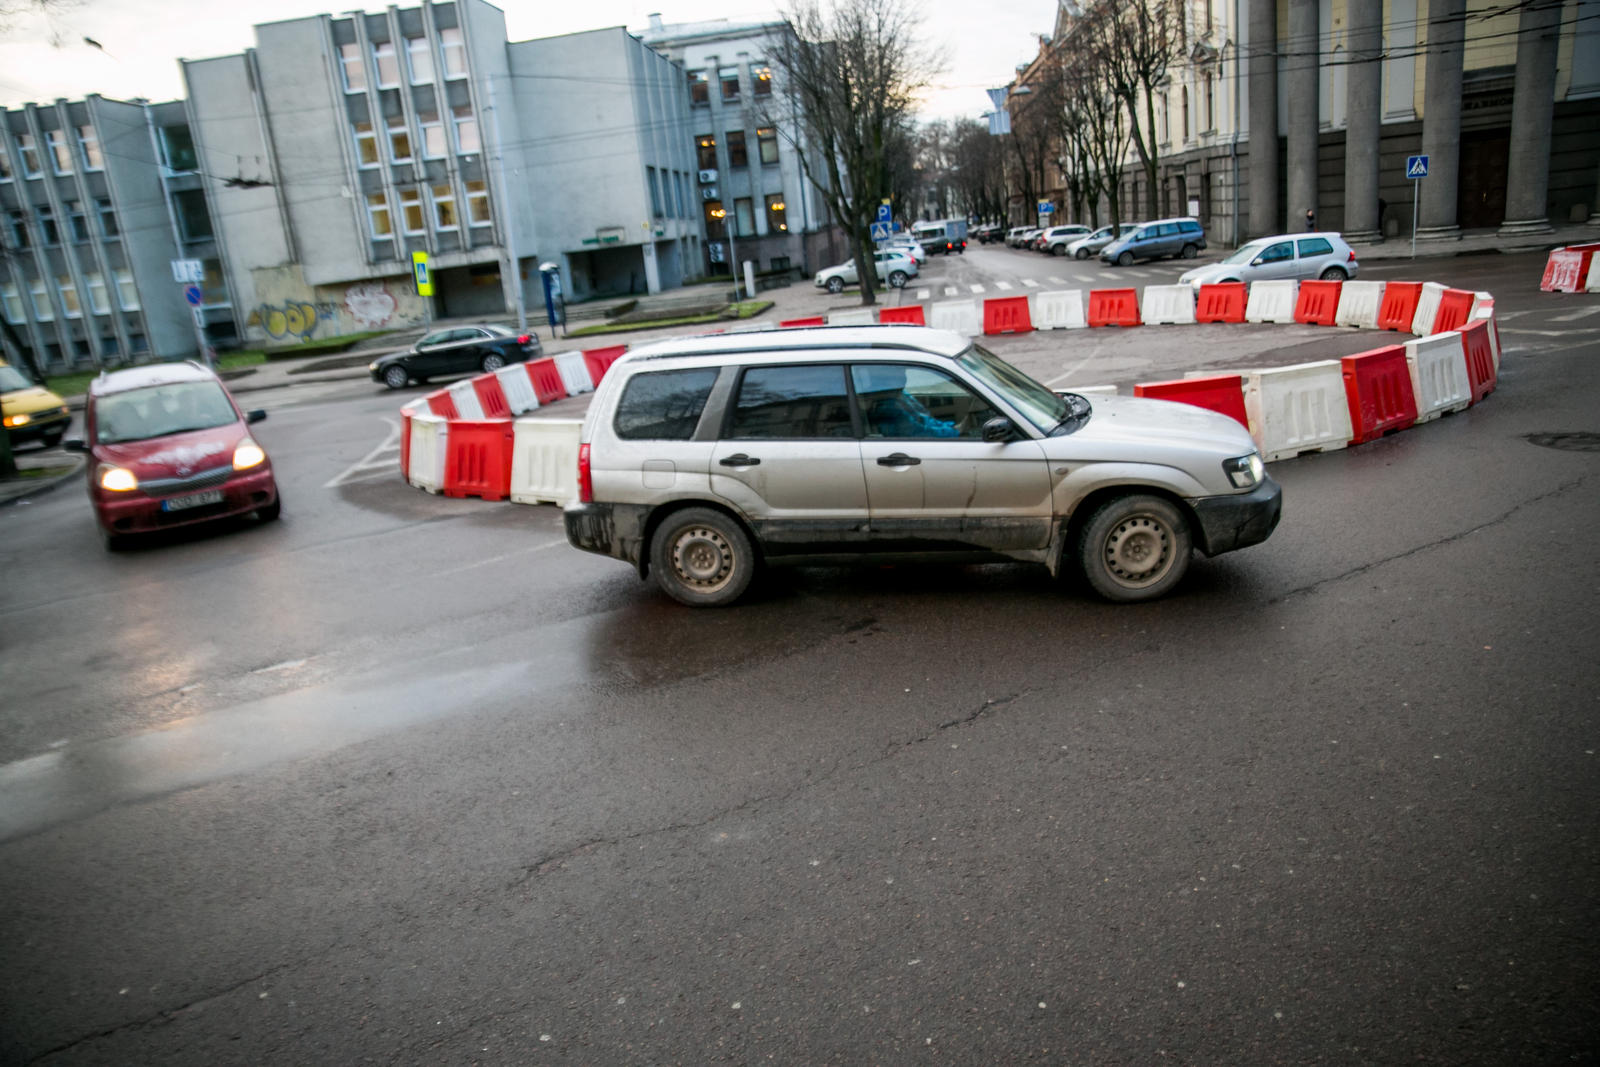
(998, 428)
(74, 444)
(258, 415)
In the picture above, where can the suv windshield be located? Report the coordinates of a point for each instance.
(11, 379)
(1039, 405)
(159, 410)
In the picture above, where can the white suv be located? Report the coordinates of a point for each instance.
(702, 458)
(894, 267)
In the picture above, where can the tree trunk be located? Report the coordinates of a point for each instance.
(866, 268)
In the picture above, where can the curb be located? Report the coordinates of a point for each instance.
(20, 488)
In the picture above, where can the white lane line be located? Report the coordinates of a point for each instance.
(1059, 281)
(498, 559)
(1029, 283)
(950, 290)
(391, 443)
(1574, 316)
(923, 294)
(975, 288)
(1002, 286)
(1074, 368)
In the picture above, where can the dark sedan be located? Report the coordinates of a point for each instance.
(455, 350)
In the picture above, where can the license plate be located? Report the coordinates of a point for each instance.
(193, 500)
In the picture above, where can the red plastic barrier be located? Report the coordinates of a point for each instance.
(1477, 347)
(1567, 269)
(442, 405)
(405, 443)
(1006, 314)
(1222, 393)
(1222, 302)
(477, 459)
(1454, 307)
(810, 320)
(911, 313)
(1318, 303)
(1399, 305)
(599, 360)
(1113, 307)
(1377, 386)
(491, 397)
(547, 384)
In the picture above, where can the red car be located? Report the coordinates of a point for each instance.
(169, 447)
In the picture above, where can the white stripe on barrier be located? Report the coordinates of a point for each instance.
(1591, 284)
(1359, 303)
(962, 316)
(518, 387)
(1479, 299)
(1484, 309)
(853, 317)
(751, 327)
(429, 436)
(1060, 309)
(465, 398)
(1092, 390)
(574, 373)
(1438, 374)
(1427, 308)
(1297, 409)
(544, 460)
(1272, 301)
(1169, 305)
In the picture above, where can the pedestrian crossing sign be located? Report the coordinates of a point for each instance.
(1416, 166)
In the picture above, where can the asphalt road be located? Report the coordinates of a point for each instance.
(404, 779)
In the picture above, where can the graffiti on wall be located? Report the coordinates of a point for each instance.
(291, 321)
(287, 311)
(370, 304)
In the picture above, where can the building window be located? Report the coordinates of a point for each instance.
(729, 77)
(1164, 113)
(419, 57)
(761, 78)
(47, 226)
(478, 203)
(194, 221)
(1211, 102)
(433, 145)
(677, 185)
(444, 207)
(178, 146)
(411, 211)
(1183, 97)
(388, 64)
(466, 124)
(77, 221)
(366, 145)
(355, 74)
(29, 153)
(127, 295)
(777, 214)
(60, 154)
(744, 214)
(699, 87)
(706, 147)
(108, 217)
(99, 302)
(399, 140)
(716, 221)
(19, 230)
(455, 53)
(655, 191)
(11, 299)
(737, 157)
(378, 216)
(89, 145)
(42, 309)
(767, 138)
(5, 164)
(69, 296)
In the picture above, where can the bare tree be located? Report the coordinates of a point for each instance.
(1096, 108)
(1033, 141)
(979, 170)
(855, 70)
(1137, 40)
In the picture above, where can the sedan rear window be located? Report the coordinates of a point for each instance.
(663, 405)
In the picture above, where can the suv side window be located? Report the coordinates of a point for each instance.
(1189, 227)
(901, 400)
(792, 402)
(663, 405)
(1167, 229)
(1315, 246)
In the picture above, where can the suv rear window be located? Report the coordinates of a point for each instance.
(793, 402)
(663, 405)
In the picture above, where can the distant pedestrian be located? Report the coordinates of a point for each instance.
(1311, 219)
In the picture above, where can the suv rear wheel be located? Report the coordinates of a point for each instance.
(702, 558)
(1135, 548)
(1190, 251)
(898, 279)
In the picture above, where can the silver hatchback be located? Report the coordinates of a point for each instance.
(1295, 255)
(703, 458)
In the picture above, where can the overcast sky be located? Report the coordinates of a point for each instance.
(41, 59)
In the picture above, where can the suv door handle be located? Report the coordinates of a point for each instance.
(739, 459)
(898, 459)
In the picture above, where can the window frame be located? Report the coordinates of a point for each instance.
(67, 290)
(446, 201)
(107, 212)
(738, 153)
(381, 51)
(5, 164)
(760, 78)
(127, 291)
(77, 221)
(393, 125)
(96, 284)
(460, 117)
(376, 209)
(60, 152)
(89, 148)
(705, 143)
(407, 204)
(49, 230)
(350, 57)
(414, 46)
(780, 216)
(39, 292)
(370, 136)
(727, 76)
(11, 297)
(699, 88)
(453, 43)
(765, 136)
(430, 132)
(27, 146)
(476, 197)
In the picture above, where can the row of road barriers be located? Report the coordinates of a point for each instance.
(1573, 269)
(476, 438)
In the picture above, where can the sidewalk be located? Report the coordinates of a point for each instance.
(68, 466)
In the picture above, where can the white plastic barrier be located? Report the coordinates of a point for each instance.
(853, 317)
(1438, 375)
(1060, 309)
(465, 398)
(429, 437)
(544, 460)
(1272, 301)
(1358, 304)
(1427, 308)
(1483, 308)
(1591, 284)
(1169, 305)
(574, 373)
(962, 316)
(518, 387)
(1298, 409)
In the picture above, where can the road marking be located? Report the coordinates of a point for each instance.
(1030, 283)
(1002, 286)
(1074, 368)
(923, 294)
(1059, 281)
(1575, 316)
(378, 457)
(950, 290)
(499, 559)
(975, 288)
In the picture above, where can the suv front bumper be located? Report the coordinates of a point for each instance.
(1238, 521)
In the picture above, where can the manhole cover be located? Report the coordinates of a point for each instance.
(1567, 442)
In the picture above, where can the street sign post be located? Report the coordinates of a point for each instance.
(885, 213)
(193, 295)
(1046, 208)
(880, 231)
(1416, 170)
(188, 271)
(419, 271)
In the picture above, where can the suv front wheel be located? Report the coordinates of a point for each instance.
(1135, 548)
(898, 279)
(702, 558)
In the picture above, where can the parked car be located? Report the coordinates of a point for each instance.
(904, 242)
(1156, 240)
(30, 412)
(1027, 237)
(454, 350)
(894, 268)
(989, 233)
(1014, 235)
(1084, 247)
(1056, 238)
(878, 443)
(1290, 255)
(169, 447)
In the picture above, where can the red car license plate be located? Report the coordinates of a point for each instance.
(193, 500)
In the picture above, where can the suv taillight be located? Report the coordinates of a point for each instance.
(585, 478)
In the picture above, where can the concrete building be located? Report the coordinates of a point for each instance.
(96, 201)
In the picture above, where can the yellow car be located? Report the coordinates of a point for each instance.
(32, 412)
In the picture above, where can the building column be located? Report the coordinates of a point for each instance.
(1265, 216)
(1304, 109)
(1532, 111)
(1594, 212)
(1441, 121)
(1363, 121)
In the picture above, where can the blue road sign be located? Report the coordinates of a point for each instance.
(192, 294)
(1416, 166)
(885, 213)
(880, 231)
(1046, 208)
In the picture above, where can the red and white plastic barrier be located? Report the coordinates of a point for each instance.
(544, 461)
(1059, 310)
(1572, 270)
(1271, 301)
(1167, 305)
(1438, 375)
(1358, 304)
(1297, 409)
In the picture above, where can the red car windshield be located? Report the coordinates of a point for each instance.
(160, 410)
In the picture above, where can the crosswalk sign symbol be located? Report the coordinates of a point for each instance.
(1416, 166)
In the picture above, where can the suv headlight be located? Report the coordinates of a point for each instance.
(1245, 472)
(117, 479)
